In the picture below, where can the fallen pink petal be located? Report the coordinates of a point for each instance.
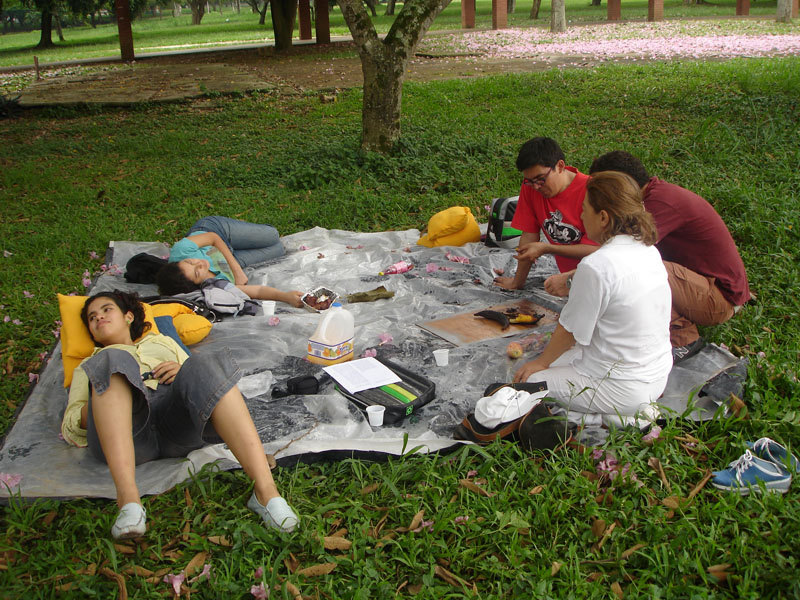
(462, 519)
(93, 255)
(27, 294)
(424, 525)
(9, 479)
(652, 435)
(259, 573)
(431, 268)
(205, 574)
(385, 338)
(16, 322)
(259, 592)
(273, 321)
(370, 353)
(304, 248)
(175, 581)
(33, 377)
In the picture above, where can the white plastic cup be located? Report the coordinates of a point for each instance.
(375, 415)
(442, 356)
(268, 306)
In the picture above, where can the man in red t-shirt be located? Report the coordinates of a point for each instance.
(550, 200)
(706, 274)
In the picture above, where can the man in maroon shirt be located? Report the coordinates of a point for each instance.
(706, 274)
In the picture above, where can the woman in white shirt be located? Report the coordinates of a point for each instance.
(610, 353)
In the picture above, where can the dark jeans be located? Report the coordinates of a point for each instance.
(171, 420)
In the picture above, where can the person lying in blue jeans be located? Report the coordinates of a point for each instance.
(136, 401)
(221, 247)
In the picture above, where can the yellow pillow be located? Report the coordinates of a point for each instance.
(76, 343)
(454, 226)
(190, 326)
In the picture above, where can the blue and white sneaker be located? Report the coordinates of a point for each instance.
(748, 472)
(772, 451)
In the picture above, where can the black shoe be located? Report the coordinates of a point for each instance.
(681, 353)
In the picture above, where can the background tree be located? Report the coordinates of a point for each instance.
(558, 16)
(383, 64)
(198, 10)
(284, 13)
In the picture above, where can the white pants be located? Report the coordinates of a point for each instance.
(592, 401)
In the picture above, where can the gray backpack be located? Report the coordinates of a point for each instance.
(223, 297)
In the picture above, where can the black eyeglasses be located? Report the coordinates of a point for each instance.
(537, 182)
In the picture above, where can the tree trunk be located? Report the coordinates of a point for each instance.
(371, 4)
(57, 20)
(383, 64)
(390, 8)
(198, 10)
(176, 9)
(784, 13)
(535, 9)
(263, 17)
(46, 39)
(558, 17)
(595, 2)
(283, 17)
(511, 6)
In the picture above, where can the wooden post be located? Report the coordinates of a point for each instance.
(499, 14)
(36, 66)
(123, 10)
(322, 22)
(655, 10)
(742, 8)
(467, 14)
(614, 10)
(304, 16)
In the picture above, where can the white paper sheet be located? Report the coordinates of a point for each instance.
(362, 374)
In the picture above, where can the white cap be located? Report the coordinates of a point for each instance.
(506, 404)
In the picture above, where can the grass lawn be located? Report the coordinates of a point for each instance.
(165, 33)
(71, 180)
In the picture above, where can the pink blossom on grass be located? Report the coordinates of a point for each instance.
(259, 592)
(7, 254)
(175, 581)
(258, 573)
(385, 338)
(471, 473)
(597, 454)
(424, 525)
(159, 231)
(33, 377)
(461, 519)
(273, 321)
(10, 479)
(27, 294)
(205, 574)
(652, 435)
(93, 255)
(16, 322)
(6, 319)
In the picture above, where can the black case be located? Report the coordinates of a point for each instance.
(396, 410)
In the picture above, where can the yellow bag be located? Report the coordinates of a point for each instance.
(454, 226)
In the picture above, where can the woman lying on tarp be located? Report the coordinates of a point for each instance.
(610, 354)
(135, 402)
(220, 247)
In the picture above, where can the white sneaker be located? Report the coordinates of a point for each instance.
(277, 514)
(131, 522)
